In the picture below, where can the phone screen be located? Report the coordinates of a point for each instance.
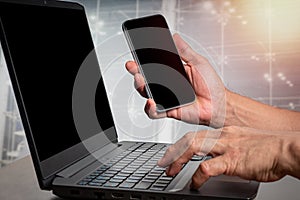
(153, 48)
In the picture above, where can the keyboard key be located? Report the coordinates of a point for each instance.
(163, 182)
(120, 177)
(95, 184)
(120, 165)
(138, 175)
(166, 178)
(111, 171)
(143, 185)
(148, 180)
(147, 167)
(128, 159)
(137, 162)
(123, 174)
(99, 171)
(159, 168)
(116, 168)
(157, 174)
(103, 178)
(107, 175)
(140, 150)
(157, 171)
(157, 188)
(142, 171)
(126, 185)
(83, 183)
(115, 180)
(104, 167)
(93, 174)
(160, 185)
(99, 181)
(151, 178)
(127, 171)
(132, 181)
(123, 163)
(132, 156)
(135, 177)
(111, 184)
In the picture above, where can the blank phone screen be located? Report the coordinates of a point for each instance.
(152, 46)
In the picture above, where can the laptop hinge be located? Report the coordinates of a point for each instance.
(98, 155)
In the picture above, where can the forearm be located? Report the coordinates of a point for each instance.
(243, 111)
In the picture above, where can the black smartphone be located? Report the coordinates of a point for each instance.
(154, 50)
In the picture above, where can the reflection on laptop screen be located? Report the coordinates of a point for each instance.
(48, 46)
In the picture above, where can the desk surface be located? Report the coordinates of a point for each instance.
(18, 182)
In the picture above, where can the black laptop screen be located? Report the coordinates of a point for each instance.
(47, 47)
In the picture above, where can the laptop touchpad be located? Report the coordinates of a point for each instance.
(234, 179)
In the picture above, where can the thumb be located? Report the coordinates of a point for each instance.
(186, 53)
(213, 167)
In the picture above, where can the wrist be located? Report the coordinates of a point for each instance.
(218, 113)
(230, 113)
(290, 156)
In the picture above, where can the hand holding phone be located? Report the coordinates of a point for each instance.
(153, 49)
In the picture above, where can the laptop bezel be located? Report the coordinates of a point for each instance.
(46, 170)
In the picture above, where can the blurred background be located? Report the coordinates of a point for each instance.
(253, 45)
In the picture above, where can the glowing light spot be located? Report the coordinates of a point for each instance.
(244, 22)
(232, 10)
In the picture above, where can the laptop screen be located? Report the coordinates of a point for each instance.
(48, 46)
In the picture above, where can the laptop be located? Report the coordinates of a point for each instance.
(67, 118)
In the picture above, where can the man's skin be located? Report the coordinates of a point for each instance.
(257, 141)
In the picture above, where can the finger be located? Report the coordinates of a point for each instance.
(139, 84)
(186, 53)
(174, 169)
(183, 150)
(188, 71)
(213, 167)
(150, 110)
(132, 67)
(179, 153)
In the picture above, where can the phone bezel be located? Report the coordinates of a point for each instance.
(129, 42)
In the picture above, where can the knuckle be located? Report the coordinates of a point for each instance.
(229, 129)
(189, 140)
(150, 115)
(232, 162)
(190, 135)
(170, 150)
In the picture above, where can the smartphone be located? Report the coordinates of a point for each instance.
(154, 50)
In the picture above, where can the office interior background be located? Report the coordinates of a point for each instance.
(253, 45)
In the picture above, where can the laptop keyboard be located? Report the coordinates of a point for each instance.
(134, 168)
